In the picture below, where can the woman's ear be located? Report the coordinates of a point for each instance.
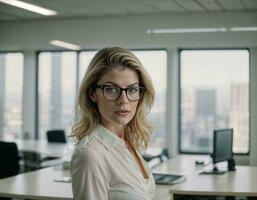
(92, 95)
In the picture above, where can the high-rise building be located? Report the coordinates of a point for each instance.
(205, 102)
(239, 116)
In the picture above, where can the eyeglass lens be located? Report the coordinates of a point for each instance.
(112, 92)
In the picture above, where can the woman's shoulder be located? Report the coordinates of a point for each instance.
(89, 144)
(86, 157)
(87, 149)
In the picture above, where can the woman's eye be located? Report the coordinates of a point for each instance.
(111, 89)
(133, 90)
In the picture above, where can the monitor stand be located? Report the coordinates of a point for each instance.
(214, 171)
(231, 164)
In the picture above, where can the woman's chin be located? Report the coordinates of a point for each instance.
(122, 121)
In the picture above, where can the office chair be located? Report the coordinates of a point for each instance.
(56, 136)
(31, 161)
(34, 161)
(9, 157)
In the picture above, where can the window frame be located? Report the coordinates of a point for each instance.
(180, 151)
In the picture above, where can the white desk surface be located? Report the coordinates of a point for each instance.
(43, 147)
(242, 182)
(60, 149)
(40, 185)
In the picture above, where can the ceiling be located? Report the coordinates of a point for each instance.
(104, 8)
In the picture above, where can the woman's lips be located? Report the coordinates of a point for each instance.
(122, 113)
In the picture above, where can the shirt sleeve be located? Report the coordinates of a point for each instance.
(89, 177)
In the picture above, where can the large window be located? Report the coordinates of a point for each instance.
(56, 90)
(155, 62)
(84, 59)
(11, 85)
(214, 94)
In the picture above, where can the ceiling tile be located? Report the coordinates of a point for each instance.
(166, 6)
(15, 12)
(231, 5)
(210, 5)
(191, 6)
(101, 8)
(250, 4)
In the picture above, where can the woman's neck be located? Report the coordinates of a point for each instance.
(121, 135)
(117, 130)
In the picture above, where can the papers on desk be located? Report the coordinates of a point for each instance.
(168, 179)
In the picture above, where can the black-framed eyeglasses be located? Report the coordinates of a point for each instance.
(113, 92)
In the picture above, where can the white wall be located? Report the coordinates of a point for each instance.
(131, 32)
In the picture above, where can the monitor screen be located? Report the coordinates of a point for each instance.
(223, 145)
(222, 151)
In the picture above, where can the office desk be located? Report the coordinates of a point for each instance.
(46, 148)
(43, 147)
(37, 185)
(40, 185)
(242, 182)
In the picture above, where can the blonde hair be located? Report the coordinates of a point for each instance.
(87, 116)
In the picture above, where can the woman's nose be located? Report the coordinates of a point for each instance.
(123, 97)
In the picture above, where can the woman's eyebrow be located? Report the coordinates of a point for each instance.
(110, 82)
(133, 84)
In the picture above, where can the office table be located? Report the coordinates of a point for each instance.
(43, 147)
(40, 185)
(52, 149)
(242, 182)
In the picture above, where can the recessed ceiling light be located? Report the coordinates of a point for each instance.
(30, 7)
(186, 30)
(250, 28)
(66, 45)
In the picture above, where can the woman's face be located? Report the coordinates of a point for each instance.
(117, 113)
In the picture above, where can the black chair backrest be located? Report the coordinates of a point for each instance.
(31, 161)
(9, 157)
(56, 136)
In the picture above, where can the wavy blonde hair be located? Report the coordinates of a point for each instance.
(87, 116)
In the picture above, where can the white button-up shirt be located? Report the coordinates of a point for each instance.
(102, 168)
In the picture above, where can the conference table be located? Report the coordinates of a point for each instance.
(43, 147)
(54, 149)
(48, 183)
(242, 182)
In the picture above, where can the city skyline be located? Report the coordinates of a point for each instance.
(192, 77)
(206, 97)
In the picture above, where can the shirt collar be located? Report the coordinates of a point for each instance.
(107, 137)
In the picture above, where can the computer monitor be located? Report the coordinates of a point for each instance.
(222, 145)
(222, 150)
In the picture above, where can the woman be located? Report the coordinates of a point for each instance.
(114, 98)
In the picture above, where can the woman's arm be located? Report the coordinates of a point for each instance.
(89, 179)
